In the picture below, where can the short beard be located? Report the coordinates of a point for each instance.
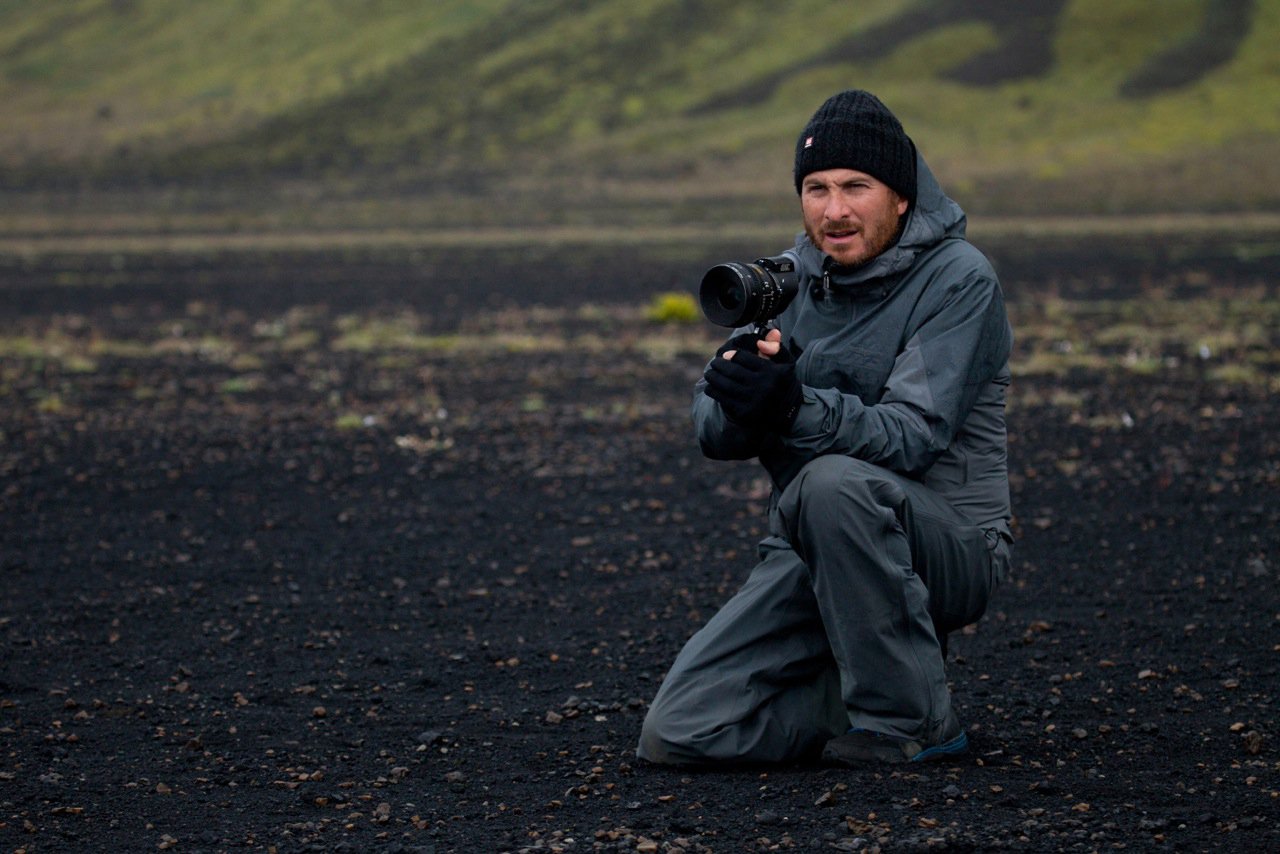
(874, 251)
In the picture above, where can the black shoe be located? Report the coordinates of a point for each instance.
(860, 746)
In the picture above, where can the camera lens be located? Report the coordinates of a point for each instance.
(725, 292)
(730, 299)
(734, 294)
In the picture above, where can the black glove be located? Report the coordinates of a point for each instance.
(754, 391)
(744, 341)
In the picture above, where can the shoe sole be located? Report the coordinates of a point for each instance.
(894, 755)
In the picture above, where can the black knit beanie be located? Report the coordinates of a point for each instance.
(853, 130)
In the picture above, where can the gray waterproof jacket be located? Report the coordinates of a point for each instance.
(903, 361)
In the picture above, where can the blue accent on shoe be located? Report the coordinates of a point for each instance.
(957, 745)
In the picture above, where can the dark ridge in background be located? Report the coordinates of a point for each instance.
(1225, 25)
(1025, 31)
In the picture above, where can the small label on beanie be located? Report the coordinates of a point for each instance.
(808, 142)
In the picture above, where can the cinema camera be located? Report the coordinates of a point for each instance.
(735, 294)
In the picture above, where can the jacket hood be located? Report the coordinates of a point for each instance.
(931, 218)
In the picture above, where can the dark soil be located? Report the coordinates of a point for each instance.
(282, 571)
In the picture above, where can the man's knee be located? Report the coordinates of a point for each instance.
(656, 744)
(689, 725)
(834, 477)
(666, 738)
(840, 492)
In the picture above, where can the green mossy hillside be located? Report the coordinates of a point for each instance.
(1082, 107)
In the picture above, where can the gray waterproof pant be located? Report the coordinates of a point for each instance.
(835, 627)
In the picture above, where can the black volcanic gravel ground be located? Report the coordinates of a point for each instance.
(317, 554)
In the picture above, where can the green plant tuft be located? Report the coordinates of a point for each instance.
(353, 421)
(672, 307)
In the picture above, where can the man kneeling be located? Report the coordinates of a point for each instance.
(876, 405)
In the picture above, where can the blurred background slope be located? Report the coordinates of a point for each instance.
(632, 112)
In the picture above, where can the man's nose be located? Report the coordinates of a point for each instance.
(837, 208)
